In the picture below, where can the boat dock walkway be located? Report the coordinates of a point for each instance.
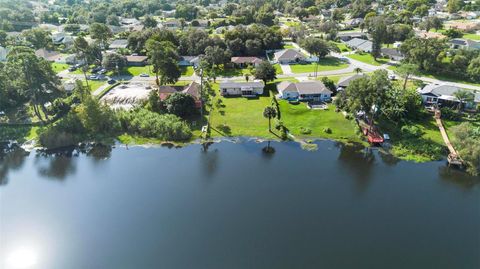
(453, 156)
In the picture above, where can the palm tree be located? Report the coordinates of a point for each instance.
(357, 70)
(269, 113)
(406, 70)
(463, 96)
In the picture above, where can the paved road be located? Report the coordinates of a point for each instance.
(288, 73)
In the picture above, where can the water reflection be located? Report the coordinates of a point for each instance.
(454, 176)
(12, 157)
(359, 161)
(209, 159)
(268, 151)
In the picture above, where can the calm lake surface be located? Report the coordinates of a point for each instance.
(234, 206)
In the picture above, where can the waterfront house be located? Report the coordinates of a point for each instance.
(444, 95)
(351, 35)
(304, 91)
(247, 89)
(242, 62)
(192, 89)
(288, 56)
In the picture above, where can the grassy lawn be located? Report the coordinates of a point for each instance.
(450, 78)
(298, 116)
(288, 46)
(329, 63)
(278, 69)
(58, 67)
(342, 47)
(336, 78)
(94, 84)
(472, 36)
(238, 116)
(368, 59)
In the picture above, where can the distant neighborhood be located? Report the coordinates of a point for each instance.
(372, 72)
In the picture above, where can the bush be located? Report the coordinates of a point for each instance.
(450, 114)
(327, 130)
(149, 124)
(411, 131)
(305, 131)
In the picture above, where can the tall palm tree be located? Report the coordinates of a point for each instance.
(463, 96)
(269, 112)
(357, 70)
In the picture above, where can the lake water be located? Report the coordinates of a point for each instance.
(235, 206)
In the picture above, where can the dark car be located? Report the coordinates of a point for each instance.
(111, 81)
(72, 68)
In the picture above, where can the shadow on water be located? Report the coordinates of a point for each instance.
(460, 178)
(12, 157)
(359, 161)
(59, 163)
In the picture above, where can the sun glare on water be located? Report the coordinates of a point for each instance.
(23, 257)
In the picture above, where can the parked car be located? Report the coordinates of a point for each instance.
(93, 77)
(102, 71)
(111, 81)
(72, 68)
(143, 75)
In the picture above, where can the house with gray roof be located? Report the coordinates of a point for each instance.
(345, 81)
(246, 89)
(304, 91)
(118, 44)
(288, 56)
(360, 44)
(444, 95)
(393, 54)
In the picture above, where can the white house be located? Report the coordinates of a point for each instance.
(304, 91)
(288, 56)
(444, 95)
(247, 89)
(360, 44)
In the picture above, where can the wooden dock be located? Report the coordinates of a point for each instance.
(453, 156)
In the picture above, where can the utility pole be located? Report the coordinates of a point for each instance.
(201, 92)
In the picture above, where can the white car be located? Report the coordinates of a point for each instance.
(143, 75)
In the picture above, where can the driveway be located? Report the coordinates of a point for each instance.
(286, 69)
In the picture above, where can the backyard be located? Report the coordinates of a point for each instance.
(326, 64)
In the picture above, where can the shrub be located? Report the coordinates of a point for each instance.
(411, 131)
(449, 114)
(327, 130)
(149, 124)
(305, 131)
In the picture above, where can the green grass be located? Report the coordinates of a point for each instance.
(368, 59)
(278, 69)
(58, 67)
(472, 37)
(187, 71)
(342, 47)
(240, 116)
(298, 116)
(327, 64)
(95, 84)
(288, 46)
(450, 78)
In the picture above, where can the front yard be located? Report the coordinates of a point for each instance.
(326, 64)
(368, 59)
